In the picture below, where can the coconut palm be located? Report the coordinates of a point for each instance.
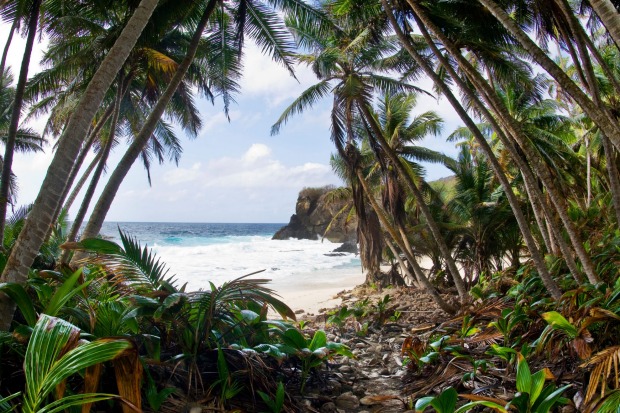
(16, 107)
(597, 113)
(510, 128)
(396, 24)
(49, 198)
(488, 226)
(345, 64)
(253, 18)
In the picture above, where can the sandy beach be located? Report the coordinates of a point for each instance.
(312, 291)
(316, 290)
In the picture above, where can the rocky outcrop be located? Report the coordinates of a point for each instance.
(314, 211)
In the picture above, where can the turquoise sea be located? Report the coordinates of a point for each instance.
(199, 253)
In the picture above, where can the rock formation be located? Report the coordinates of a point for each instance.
(314, 211)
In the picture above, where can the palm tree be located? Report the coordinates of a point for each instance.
(608, 14)
(480, 139)
(27, 140)
(487, 223)
(16, 112)
(596, 113)
(49, 197)
(254, 18)
(344, 63)
(510, 128)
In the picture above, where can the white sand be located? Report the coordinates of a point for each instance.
(313, 291)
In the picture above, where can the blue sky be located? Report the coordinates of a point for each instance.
(233, 171)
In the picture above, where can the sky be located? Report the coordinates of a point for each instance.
(234, 171)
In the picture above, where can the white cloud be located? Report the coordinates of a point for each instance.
(182, 175)
(256, 152)
(256, 168)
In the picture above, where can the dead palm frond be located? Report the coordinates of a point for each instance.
(605, 369)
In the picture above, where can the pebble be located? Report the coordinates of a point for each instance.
(361, 345)
(329, 407)
(345, 369)
(347, 401)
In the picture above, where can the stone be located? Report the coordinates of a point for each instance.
(349, 246)
(347, 401)
(345, 369)
(329, 407)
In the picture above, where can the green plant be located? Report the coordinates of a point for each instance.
(533, 395)
(394, 317)
(339, 317)
(509, 321)
(468, 327)
(53, 354)
(155, 397)
(311, 353)
(277, 403)
(446, 403)
(228, 386)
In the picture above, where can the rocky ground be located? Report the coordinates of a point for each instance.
(373, 380)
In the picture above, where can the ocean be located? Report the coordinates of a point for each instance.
(199, 253)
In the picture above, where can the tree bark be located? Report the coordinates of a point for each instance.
(7, 46)
(609, 16)
(498, 170)
(80, 184)
(90, 191)
(40, 218)
(401, 263)
(18, 101)
(614, 178)
(116, 178)
(597, 114)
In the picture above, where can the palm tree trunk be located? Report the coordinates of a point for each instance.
(414, 264)
(90, 191)
(537, 210)
(80, 184)
(430, 221)
(405, 270)
(609, 16)
(614, 178)
(597, 114)
(7, 165)
(514, 130)
(116, 178)
(497, 168)
(7, 46)
(592, 84)
(40, 218)
(92, 135)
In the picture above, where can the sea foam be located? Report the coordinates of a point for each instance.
(201, 263)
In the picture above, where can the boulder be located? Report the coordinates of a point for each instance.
(317, 210)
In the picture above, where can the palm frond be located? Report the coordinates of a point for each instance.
(307, 99)
(604, 367)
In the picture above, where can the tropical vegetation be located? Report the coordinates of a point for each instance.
(524, 243)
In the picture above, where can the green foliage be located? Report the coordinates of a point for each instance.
(311, 353)
(53, 354)
(533, 395)
(276, 403)
(155, 397)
